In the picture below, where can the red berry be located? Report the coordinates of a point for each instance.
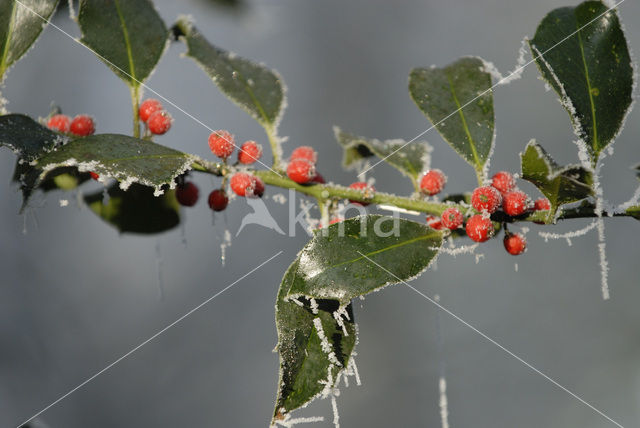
(94, 175)
(335, 220)
(82, 125)
(59, 122)
(479, 228)
(304, 152)
(486, 198)
(159, 122)
(187, 194)
(221, 143)
(452, 218)
(301, 171)
(542, 204)
(248, 185)
(433, 182)
(434, 222)
(250, 151)
(515, 244)
(148, 107)
(515, 203)
(218, 200)
(368, 190)
(503, 181)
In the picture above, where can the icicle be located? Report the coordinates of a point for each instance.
(515, 267)
(226, 243)
(183, 233)
(479, 257)
(336, 415)
(443, 403)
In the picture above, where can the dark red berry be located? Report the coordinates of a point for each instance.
(148, 107)
(434, 222)
(304, 152)
(318, 179)
(479, 228)
(301, 171)
(247, 185)
(433, 182)
(503, 181)
(82, 125)
(187, 194)
(365, 188)
(486, 198)
(94, 175)
(159, 122)
(250, 151)
(515, 244)
(60, 123)
(221, 143)
(452, 218)
(515, 203)
(218, 200)
(542, 204)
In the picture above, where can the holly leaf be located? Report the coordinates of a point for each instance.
(634, 211)
(458, 101)
(20, 25)
(561, 185)
(136, 210)
(590, 70)
(339, 263)
(253, 87)
(26, 137)
(410, 159)
(127, 159)
(306, 368)
(127, 35)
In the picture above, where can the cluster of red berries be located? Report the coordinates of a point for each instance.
(81, 126)
(157, 120)
(501, 194)
(188, 193)
(302, 166)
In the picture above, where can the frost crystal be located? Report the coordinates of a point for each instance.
(569, 235)
(64, 202)
(226, 243)
(443, 403)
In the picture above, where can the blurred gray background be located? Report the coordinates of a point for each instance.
(76, 295)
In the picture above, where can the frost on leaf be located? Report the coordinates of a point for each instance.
(561, 185)
(126, 159)
(458, 100)
(313, 347)
(582, 53)
(253, 87)
(410, 158)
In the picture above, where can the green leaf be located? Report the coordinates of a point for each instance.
(136, 210)
(26, 137)
(253, 87)
(124, 158)
(561, 185)
(20, 26)
(634, 211)
(458, 100)
(591, 71)
(338, 262)
(303, 362)
(127, 35)
(410, 159)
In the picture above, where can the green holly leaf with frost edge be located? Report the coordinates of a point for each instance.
(411, 159)
(126, 159)
(561, 185)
